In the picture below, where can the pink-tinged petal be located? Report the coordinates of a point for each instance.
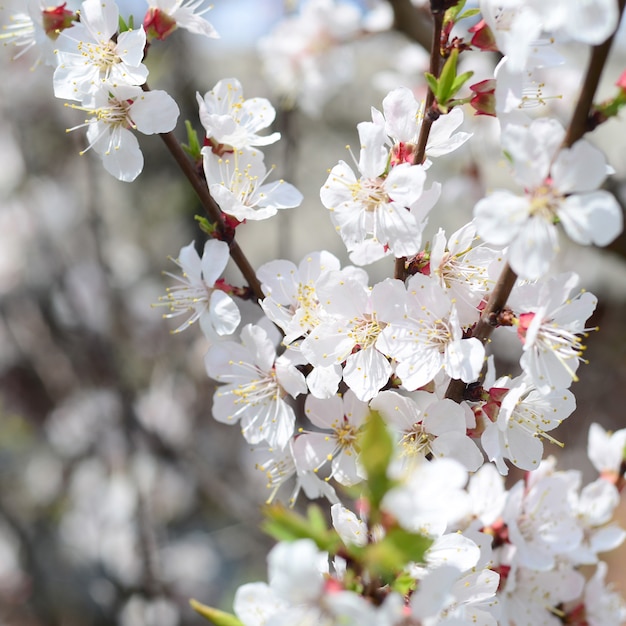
(366, 372)
(224, 314)
(578, 169)
(593, 218)
(531, 253)
(500, 216)
(154, 112)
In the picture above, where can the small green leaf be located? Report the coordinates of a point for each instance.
(452, 12)
(447, 78)
(219, 618)
(121, 25)
(459, 81)
(433, 84)
(205, 226)
(468, 13)
(394, 552)
(193, 148)
(377, 449)
(403, 584)
(316, 519)
(286, 525)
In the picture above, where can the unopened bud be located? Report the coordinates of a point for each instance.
(158, 24)
(484, 99)
(56, 19)
(483, 38)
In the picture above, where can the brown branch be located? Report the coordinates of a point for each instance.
(579, 125)
(212, 209)
(435, 65)
(415, 24)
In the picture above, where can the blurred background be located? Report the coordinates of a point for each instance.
(120, 496)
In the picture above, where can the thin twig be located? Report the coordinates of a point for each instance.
(427, 122)
(212, 209)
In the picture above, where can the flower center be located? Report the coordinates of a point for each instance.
(365, 331)
(370, 193)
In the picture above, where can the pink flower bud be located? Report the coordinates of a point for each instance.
(158, 24)
(483, 38)
(56, 19)
(484, 99)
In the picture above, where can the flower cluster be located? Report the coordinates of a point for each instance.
(346, 387)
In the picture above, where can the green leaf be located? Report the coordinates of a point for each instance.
(459, 81)
(123, 26)
(468, 13)
(447, 78)
(394, 552)
(286, 525)
(403, 584)
(193, 147)
(219, 618)
(205, 226)
(452, 12)
(433, 83)
(377, 448)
